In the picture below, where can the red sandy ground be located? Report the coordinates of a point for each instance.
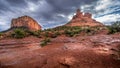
(99, 51)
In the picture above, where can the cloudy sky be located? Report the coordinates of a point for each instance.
(51, 13)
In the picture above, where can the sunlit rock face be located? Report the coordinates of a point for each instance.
(83, 19)
(27, 22)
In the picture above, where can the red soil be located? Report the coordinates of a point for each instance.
(62, 52)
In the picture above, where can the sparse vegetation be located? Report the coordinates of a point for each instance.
(87, 30)
(1, 33)
(114, 28)
(69, 33)
(19, 33)
(23, 32)
(46, 33)
(72, 31)
(91, 30)
(55, 32)
(52, 33)
(35, 33)
(45, 42)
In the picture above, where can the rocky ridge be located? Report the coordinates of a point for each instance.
(83, 19)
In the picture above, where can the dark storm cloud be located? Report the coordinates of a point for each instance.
(51, 13)
(64, 7)
(54, 12)
(3, 6)
(67, 6)
(16, 2)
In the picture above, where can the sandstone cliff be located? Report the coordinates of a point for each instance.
(81, 19)
(27, 22)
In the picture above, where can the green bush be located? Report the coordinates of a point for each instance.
(114, 28)
(1, 33)
(72, 32)
(87, 30)
(35, 33)
(46, 34)
(19, 33)
(69, 33)
(55, 34)
(45, 42)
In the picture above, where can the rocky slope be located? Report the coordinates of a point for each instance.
(99, 51)
(27, 22)
(81, 19)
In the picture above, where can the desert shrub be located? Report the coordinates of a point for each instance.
(1, 33)
(46, 34)
(114, 28)
(76, 31)
(45, 42)
(90, 30)
(35, 33)
(69, 33)
(72, 32)
(87, 30)
(55, 34)
(19, 33)
(51, 34)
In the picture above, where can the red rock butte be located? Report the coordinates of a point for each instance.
(83, 19)
(27, 22)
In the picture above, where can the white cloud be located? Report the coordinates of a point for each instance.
(103, 4)
(85, 7)
(61, 15)
(32, 6)
(70, 17)
(107, 19)
(41, 6)
(106, 11)
(103, 7)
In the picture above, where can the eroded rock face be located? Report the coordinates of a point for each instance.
(83, 19)
(27, 22)
(88, 15)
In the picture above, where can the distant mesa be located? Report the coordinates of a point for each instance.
(81, 19)
(25, 21)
